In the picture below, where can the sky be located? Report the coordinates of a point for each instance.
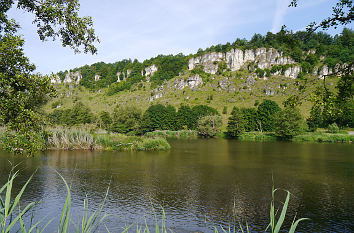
(141, 29)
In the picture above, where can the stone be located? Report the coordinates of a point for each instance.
(192, 82)
(97, 77)
(324, 72)
(73, 77)
(55, 80)
(292, 72)
(250, 80)
(224, 84)
(151, 70)
(236, 59)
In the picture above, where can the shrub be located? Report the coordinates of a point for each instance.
(265, 114)
(289, 123)
(126, 119)
(236, 123)
(250, 118)
(209, 126)
(333, 128)
(315, 120)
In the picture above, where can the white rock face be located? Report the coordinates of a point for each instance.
(97, 77)
(118, 76)
(73, 77)
(208, 60)
(128, 73)
(292, 72)
(55, 80)
(151, 70)
(324, 72)
(192, 82)
(236, 59)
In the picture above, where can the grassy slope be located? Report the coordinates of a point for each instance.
(244, 96)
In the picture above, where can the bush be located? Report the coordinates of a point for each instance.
(153, 144)
(333, 128)
(209, 126)
(126, 119)
(315, 120)
(265, 114)
(289, 123)
(236, 123)
(250, 118)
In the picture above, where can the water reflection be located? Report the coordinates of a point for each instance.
(200, 183)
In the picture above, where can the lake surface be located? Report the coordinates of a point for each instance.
(199, 184)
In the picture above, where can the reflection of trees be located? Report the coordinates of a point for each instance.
(204, 178)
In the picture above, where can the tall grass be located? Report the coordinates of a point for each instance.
(71, 139)
(324, 137)
(180, 134)
(257, 137)
(12, 216)
(119, 142)
(276, 222)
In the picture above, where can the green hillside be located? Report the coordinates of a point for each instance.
(175, 83)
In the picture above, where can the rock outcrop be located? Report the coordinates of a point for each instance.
(73, 77)
(292, 72)
(324, 72)
(236, 59)
(157, 93)
(55, 80)
(150, 71)
(208, 60)
(97, 77)
(192, 82)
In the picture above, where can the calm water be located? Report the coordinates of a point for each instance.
(200, 184)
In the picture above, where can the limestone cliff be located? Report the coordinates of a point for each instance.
(236, 59)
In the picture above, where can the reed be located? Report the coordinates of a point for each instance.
(71, 139)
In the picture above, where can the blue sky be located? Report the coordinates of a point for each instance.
(145, 28)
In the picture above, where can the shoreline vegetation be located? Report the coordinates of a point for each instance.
(14, 216)
(84, 139)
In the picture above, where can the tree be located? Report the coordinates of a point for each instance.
(209, 126)
(315, 120)
(342, 14)
(186, 118)
(337, 106)
(54, 19)
(105, 120)
(289, 123)
(250, 118)
(265, 114)
(126, 119)
(154, 118)
(22, 91)
(236, 123)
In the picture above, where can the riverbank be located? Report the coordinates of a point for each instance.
(81, 139)
(310, 137)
